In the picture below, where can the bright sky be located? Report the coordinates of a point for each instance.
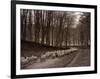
(77, 16)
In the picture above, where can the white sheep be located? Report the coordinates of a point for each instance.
(34, 57)
(24, 60)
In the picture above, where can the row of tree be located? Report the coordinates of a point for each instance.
(55, 28)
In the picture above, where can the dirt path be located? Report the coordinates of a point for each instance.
(74, 59)
(81, 59)
(54, 62)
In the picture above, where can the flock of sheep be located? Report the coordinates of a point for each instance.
(58, 53)
(26, 59)
(47, 55)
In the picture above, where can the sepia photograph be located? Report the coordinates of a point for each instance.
(53, 39)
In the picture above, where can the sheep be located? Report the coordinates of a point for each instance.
(24, 60)
(34, 57)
